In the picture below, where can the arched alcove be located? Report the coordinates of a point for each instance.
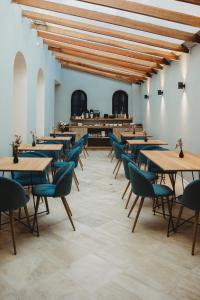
(120, 102)
(78, 103)
(19, 105)
(40, 102)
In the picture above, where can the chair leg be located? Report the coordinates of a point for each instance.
(76, 178)
(35, 220)
(110, 152)
(138, 213)
(163, 207)
(68, 211)
(133, 205)
(80, 163)
(75, 181)
(27, 216)
(12, 230)
(195, 227)
(86, 150)
(116, 166)
(112, 157)
(84, 153)
(179, 217)
(47, 205)
(129, 197)
(126, 189)
(19, 213)
(120, 162)
(170, 217)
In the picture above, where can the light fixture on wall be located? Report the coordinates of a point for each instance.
(181, 85)
(146, 96)
(160, 92)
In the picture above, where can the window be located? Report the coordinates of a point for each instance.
(78, 103)
(120, 103)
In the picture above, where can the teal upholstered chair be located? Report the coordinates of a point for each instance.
(119, 150)
(60, 187)
(190, 199)
(73, 155)
(12, 197)
(126, 160)
(143, 188)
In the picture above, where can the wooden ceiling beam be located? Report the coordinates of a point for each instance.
(110, 19)
(53, 46)
(105, 31)
(97, 73)
(98, 66)
(196, 2)
(100, 54)
(150, 11)
(114, 50)
(108, 41)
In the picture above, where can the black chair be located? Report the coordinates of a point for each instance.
(12, 197)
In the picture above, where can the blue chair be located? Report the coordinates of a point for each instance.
(190, 199)
(54, 154)
(85, 142)
(119, 150)
(60, 187)
(142, 187)
(126, 160)
(114, 139)
(12, 197)
(73, 155)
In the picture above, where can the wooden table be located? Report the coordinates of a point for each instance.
(41, 147)
(127, 134)
(63, 133)
(148, 143)
(57, 138)
(25, 164)
(170, 160)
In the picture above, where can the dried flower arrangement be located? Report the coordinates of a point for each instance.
(145, 136)
(62, 126)
(179, 145)
(15, 145)
(34, 137)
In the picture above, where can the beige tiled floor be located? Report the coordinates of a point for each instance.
(102, 260)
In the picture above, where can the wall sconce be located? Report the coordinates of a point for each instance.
(146, 96)
(160, 92)
(181, 85)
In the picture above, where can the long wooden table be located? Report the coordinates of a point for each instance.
(148, 143)
(170, 160)
(41, 147)
(133, 135)
(57, 138)
(25, 164)
(63, 133)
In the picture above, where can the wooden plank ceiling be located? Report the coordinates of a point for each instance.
(130, 53)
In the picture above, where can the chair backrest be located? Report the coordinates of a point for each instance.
(141, 186)
(63, 180)
(126, 160)
(73, 155)
(118, 149)
(12, 195)
(142, 159)
(79, 143)
(191, 195)
(85, 139)
(53, 154)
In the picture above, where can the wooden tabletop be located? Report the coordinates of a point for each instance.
(57, 138)
(25, 164)
(41, 147)
(64, 133)
(148, 143)
(170, 160)
(130, 134)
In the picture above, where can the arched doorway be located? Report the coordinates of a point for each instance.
(40, 103)
(78, 103)
(120, 103)
(19, 107)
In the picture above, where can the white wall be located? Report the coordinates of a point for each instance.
(17, 36)
(99, 91)
(177, 113)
